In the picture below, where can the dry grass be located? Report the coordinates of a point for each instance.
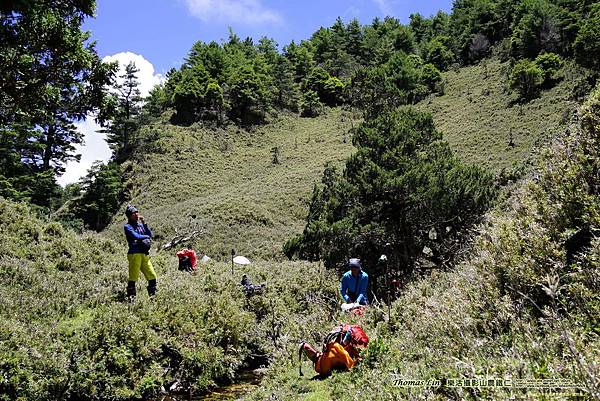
(477, 114)
(226, 177)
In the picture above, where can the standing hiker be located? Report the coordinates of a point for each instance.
(138, 236)
(354, 284)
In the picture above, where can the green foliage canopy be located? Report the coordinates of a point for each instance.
(439, 53)
(401, 183)
(587, 43)
(550, 63)
(50, 76)
(102, 192)
(536, 29)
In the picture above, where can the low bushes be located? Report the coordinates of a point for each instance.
(66, 332)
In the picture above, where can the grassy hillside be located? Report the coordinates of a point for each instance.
(524, 306)
(227, 178)
(66, 331)
(477, 115)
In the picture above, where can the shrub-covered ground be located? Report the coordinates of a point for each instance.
(66, 331)
(524, 305)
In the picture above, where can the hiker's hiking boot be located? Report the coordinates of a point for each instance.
(131, 291)
(152, 287)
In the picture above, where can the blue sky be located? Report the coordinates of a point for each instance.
(158, 34)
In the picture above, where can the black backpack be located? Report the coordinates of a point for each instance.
(185, 264)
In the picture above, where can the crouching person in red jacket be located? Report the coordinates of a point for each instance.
(187, 259)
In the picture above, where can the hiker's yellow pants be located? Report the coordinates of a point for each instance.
(137, 262)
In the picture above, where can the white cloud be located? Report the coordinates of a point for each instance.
(384, 7)
(240, 11)
(94, 146)
(146, 76)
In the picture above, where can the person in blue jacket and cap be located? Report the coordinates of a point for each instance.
(354, 284)
(139, 236)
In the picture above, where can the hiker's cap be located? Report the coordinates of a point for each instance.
(355, 263)
(130, 210)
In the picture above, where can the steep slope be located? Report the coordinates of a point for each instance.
(523, 309)
(478, 115)
(227, 178)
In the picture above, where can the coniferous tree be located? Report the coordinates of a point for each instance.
(120, 133)
(310, 105)
(215, 104)
(354, 41)
(267, 48)
(420, 26)
(50, 76)
(301, 59)
(438, 52)
(402, 184)
(101, 194)
(188, 94)
(286, 90)
(212, 57)
(249, 95)
(431, 76)
(157, 101)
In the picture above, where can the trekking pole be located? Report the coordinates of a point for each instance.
(232, 255)
(273, 326)
(384, 259)
(300, 358)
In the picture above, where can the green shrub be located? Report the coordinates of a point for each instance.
(551, 228)
(431, 77)
(439, 53)
(402, 183)
(375, 353)
(310, 106)
(526, 77)
(587, 43)
(550, 64)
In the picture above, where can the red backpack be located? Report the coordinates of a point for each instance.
(351, 337)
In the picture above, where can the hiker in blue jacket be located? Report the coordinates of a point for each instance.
(354, 284)
(138, 236)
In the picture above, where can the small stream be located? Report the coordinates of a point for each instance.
(246, 382)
